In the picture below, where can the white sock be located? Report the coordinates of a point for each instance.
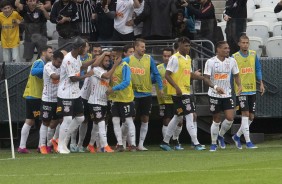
(171, 127)
(191, 129)
(94, 134)
(225, 126)
(196, 127)
(73, 136)
(102, 134)
(143, 133)
(75, 123)
(64, 130)
(57, 131)
(117, 129)
(43, 134)
(24, 135)
(214, 132)
(50, 134)
(177, 132)
(124, 132)
(164, 129)
(240, 132)
(131, 131)
(82, 132)
(245, 128)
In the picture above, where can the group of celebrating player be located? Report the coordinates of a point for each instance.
(69, 91)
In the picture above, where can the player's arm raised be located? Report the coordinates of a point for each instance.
(109, 74)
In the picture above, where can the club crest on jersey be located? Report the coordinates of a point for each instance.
(66, 108)
(212, 108)
(179, 110)
(45, 114)
(242, 104)
(188, 107)
(161, 112)
(98, 115)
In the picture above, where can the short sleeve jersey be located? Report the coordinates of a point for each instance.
(50, 87)
(99, 87)
(70, 67)
(220, 74)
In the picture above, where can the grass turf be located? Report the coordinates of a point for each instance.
(263, 165)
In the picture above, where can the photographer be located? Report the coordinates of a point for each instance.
(205, 22)
(64, 14)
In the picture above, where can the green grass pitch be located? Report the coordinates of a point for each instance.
(263, 165)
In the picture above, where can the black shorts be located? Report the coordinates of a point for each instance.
(123, 110)
(86, 108)
(166, 110)
(33, 108)
(69, 107)
(246, 103)
(48, 111)
(183, 105)
(97, 112)
(221, 104)
(143, 105)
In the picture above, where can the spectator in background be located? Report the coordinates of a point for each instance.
(35, 17)
(157, 19)
(138, 28)
(64, 14)
(128, 50)
(180, 26)
(10, 36)
(86, 14)
(236, 17)
(278, 7)
(46, 3)
(205, 21)
(124, 12)
(97, 49)
(104, 23)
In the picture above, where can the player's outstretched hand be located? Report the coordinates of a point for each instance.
(178, 91)
(198, 72)
(109, 91)
(90, 73)
(117, 60)
(219, 90)
(262, 89)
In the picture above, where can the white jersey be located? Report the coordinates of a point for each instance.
(70, 67)
(124, 12)
(99, 87)
(50, 87)
(86, 88)
(220, 74)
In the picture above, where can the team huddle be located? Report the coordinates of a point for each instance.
(68, 92)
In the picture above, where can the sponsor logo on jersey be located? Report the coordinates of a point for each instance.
(247, 70)
(220, 76)
(137, 71)
(186, 72)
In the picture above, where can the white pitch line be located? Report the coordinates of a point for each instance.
(138, 172)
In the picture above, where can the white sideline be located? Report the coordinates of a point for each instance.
(139, 172)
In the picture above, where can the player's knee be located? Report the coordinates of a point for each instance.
(67, 119)
(79, 119)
